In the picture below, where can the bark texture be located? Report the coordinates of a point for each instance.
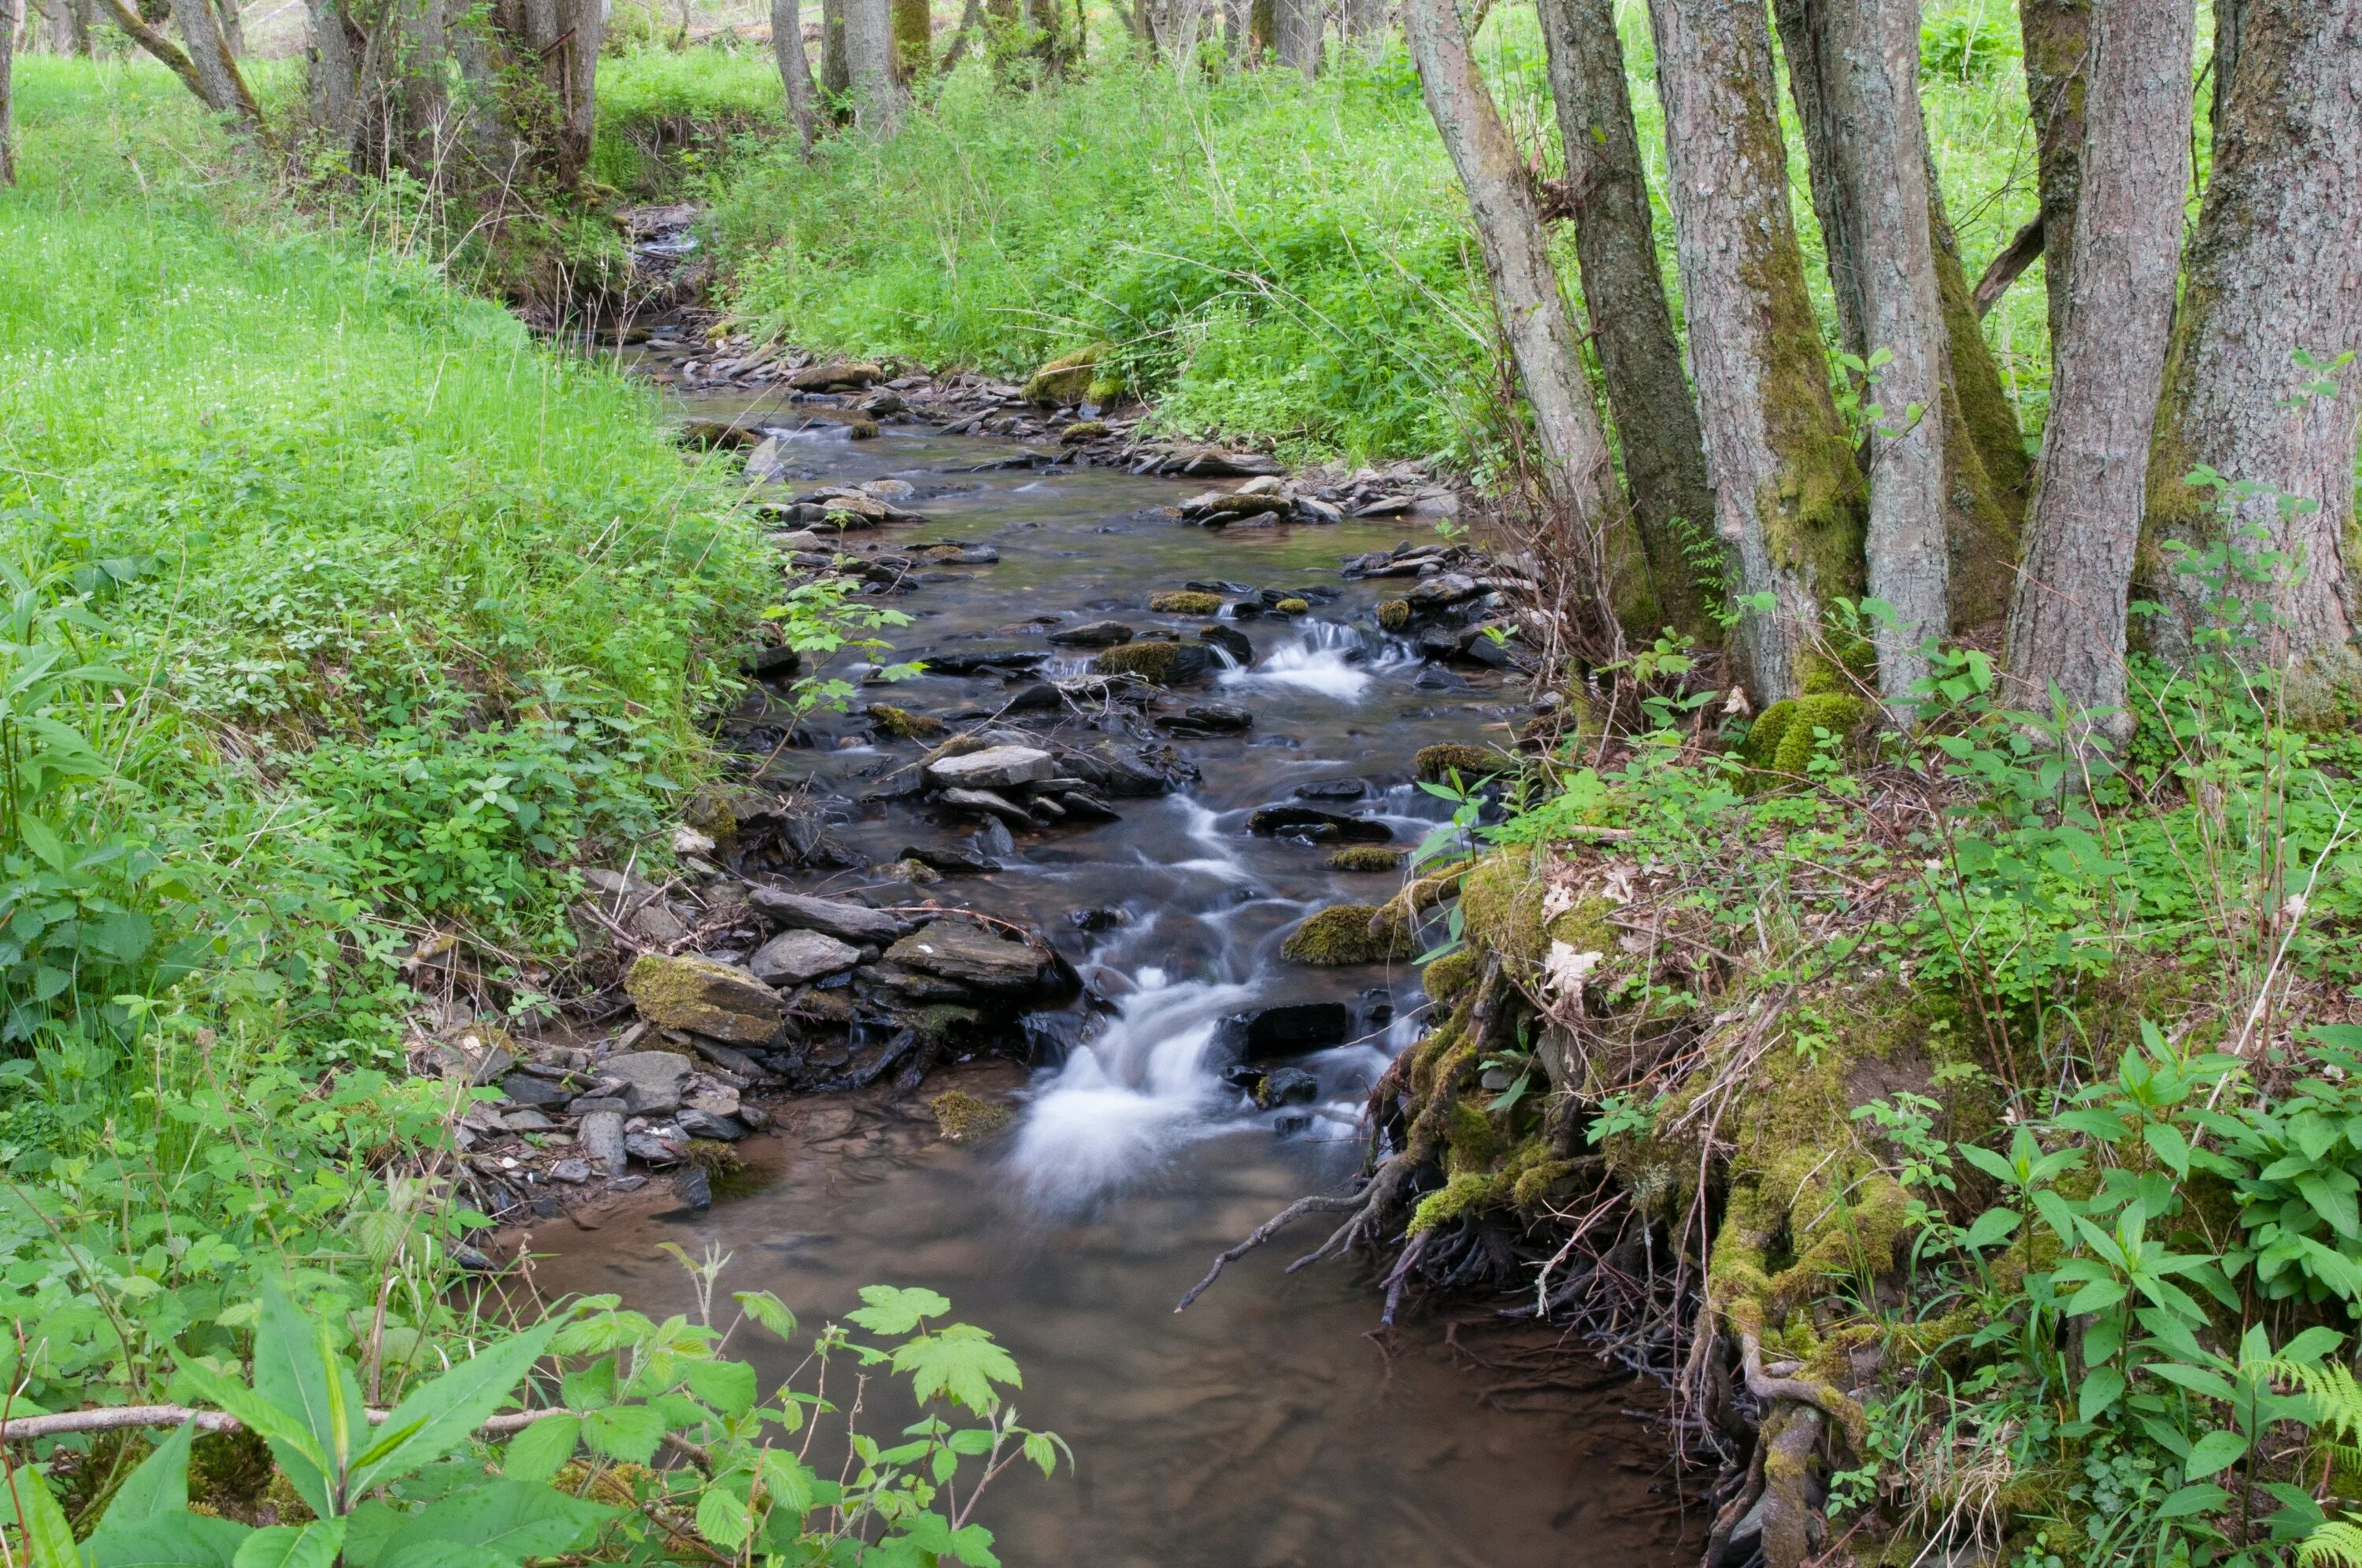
(7, 94)
(914, 44)
(1854, 65)
(869, 61)
(835, 75)
(795, 68)
(1987, 473)
(1787, 489)
(2066, 621)
(1524, 286)
(206, 67)
(2057, 38)
(545, 55)
(2276, 266)
(1631, 323)
(1299, 24)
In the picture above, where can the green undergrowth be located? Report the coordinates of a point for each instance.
(665, 116)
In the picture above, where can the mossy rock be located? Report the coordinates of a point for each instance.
(1186, 603)
(1166, 664)
(713, 1156)
(1366, 857)
(1066, 379)
(1782, 736)
(1083, 430)
(1450, 974)
(1291, 607)
(863, 430)
(1434, 763)
(1394, 615)
(1853, 667)
(963, 1119)
(1343, 934)
(902, 723)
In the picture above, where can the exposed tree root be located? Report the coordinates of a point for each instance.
(1265, 1231)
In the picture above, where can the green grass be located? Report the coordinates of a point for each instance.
(1267, 257)
(663, 115)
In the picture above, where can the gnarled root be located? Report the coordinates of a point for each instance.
(1266, 1231)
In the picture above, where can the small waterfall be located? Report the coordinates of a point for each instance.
(1329, 660)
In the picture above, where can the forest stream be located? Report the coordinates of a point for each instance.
(1267, 1425)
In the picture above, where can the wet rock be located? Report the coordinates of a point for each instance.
(1119, 772)
(628, 1184)
(1444, 589)
(600, 1138)
(694, 1188)
(753, 1116)
(901, 723)
(705, 1124)
(704, 997)
(985, 801)
(654, 1081)
(794, 957)
(1107, 917)
(841, 375)
(1375, 1008)
(962, 1118)
(594, 1104)
(571, 1172)
(848, 921)
(1230, 640)
(773, 664)
(1286, 1086)
(1084, 807)
(1186, 603)
(527, 1121)
(1094, 634)
(650, 1149)
(967, 954)
(1343, 933)
(1434, 763)
(1368, 858)
(1310, 822)
(1291, 1031)
(950, 859)
(1435, 677)
(1038, 698)
(1332, 789)
(996, 768)
(993, 838)
(478, 1057)
(1165, 664)
(990, 660)
(1050, 1037)
(1208, 718)
(526, 1089)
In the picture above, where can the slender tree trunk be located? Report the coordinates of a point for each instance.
(77, 14)
(2276, 267)
(2057, 37)
(1788, 492)
(334, 73)
(835, 75)
(1987, 473)
(1631, 322)
(543, 57)
(795, 70)
(869, 57)
(914, 41)
(1854, 69)
(2229, 26)
(233, 26)
(1525, 285)
(206, 67)
(971, 19)
(7, 92)
(1300, 35)
(2066, 621)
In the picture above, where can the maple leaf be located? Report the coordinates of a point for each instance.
(961, 1364)
(893, 1311)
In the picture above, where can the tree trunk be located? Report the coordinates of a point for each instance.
(1632, 324)
(835, 75)
(1524, 286)
(7, 92)
(1788, 492)
(870, 59)
(1854, 69)
(2276, 266)
(1986, 471)
(2066, 621)
(2230, 26)
(1263, 29)
(233, 26)
(544, 54)
(2057, 38)
(1300, 35)
(204, 67)
(914, 41)
(971, 20)
(795, 70)
(333, 73)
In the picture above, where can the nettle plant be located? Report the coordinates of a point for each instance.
(662, 1449)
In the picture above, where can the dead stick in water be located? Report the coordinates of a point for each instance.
(1266, 1231)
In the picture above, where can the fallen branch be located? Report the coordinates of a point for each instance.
(1266, 1231)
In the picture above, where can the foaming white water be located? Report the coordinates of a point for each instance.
(1326, 659)
(1126, 1099)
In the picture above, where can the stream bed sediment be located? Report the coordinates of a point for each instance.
(1266, 1425)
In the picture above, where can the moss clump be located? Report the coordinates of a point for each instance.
(1434, 763)
(1781, 738)
(1186, 603)
(863, 430)
(1342, 933)
(1366, 857)
(902, 723)
(963, 1119)
(713, 1156)
(1163, 663)
(1083, 430)
(1394, 615)
(1291, 607)
(1448, 975)
(1066, 379)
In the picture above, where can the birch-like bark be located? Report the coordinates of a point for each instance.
(1788, 492)
(1631, 322)
(2066, 621)
(795, 68)
(1524, 286)
(1854, 68)
(2276, 266)
(869, 61)
(2057, 43)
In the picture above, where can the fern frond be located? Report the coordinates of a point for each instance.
(2336, 1397)
(2337, 1543)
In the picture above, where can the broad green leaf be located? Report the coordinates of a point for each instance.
(2332, 1200)
(289, 1439)
(768, 1311)
(169, 1541)
(2212, 1452)
(2166, 1141)
(1995, 1166)
(366, 1530)
(2198, 1380)
(511, 1520)
(2203, 1497)
(47, 1533)
(542, 1450)
(444, 1554)
(961, 1364)
(313, 1545)
(160, 1485)
(589, 1387)
(786, 1480)
(2311, 1345)
(628, 1433)
(437, 1417)
(896, 1311)
(2100, 1389)
(722, 1518)
(2096, 1296)
(1993, 1227)
(727, 1385)
(298, 1371)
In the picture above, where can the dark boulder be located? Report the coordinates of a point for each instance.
(1267, 1034)
(1310, 822)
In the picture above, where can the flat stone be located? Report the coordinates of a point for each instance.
(600, 1137)
(570, 1171)
(719, 1129)
(653, 1150)
(527, 1121)
(654, 1081)
(796, 957)
(949, 858)
(856, 923)
(1445, 588)
(706, 998)
(968, 954)
(1310, 822)
(1097, 635)
(1290, 1031)
(985, 801)
(600, 1104)
(1288, 1086)
(694, 1188)
(996, 768)
(526, 1090)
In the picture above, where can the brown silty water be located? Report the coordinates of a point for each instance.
(1267, 1425)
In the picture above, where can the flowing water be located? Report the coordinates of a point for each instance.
(1265, 1426)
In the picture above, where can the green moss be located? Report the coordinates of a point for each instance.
(713, 1156)
(1783, 737)
(1461, 1194)
(1434, 763)
(1471, 1138)
(1156, 661)
(1186, 603)
(1448, 975)
(1291, 607)
(1066, 379)
(1365, 857)
(1394, 615)
(963, 1119)
(1342, 933)
(901, 723)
